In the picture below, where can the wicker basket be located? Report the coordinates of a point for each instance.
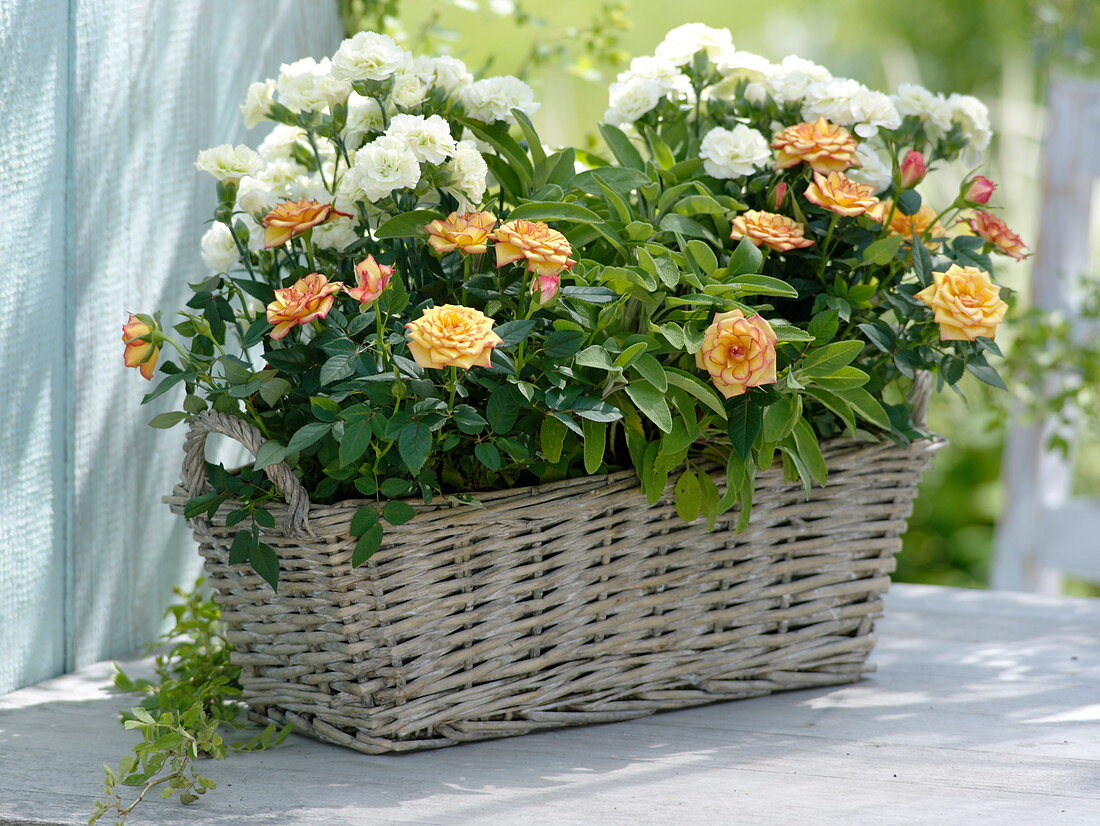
(568, 603)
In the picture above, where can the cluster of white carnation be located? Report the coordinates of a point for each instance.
(792, 82)
(391, 137)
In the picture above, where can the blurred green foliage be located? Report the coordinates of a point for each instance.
(571, 49)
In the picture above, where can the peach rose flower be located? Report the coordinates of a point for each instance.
(373, 279)
(774, 231)
(996, 232)
(838, 193)
(452, 335)
(825, 146)
(468, 232)
(918, 223)
(966, 303)
(292, 218)
(546, 250)
(738, 352)
(308, 298)
(139, 353)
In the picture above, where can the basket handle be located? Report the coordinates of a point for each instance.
(296, 522)
(919, 396)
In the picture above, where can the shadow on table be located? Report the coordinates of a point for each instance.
(1000, 684)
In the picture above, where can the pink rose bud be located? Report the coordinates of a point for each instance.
(373, 279)
(546, 287)
(779, 195)
(913, 169)
(980, 190)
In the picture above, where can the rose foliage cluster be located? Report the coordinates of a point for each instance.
(411, 297)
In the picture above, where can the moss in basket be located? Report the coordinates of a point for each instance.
(452, 307)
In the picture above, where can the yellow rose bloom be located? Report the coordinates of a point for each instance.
(917, 224)
(776, 232)
(996, 232)
(139, 353)
(468, 232)
(738, 352)
(825, 146)
(293, 218)
(452, 335)
(308, 298)
(546, 250)
(966, 302)
(838, 193)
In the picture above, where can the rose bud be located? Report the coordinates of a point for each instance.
(913, 169)
(778, 195)
(979, 191)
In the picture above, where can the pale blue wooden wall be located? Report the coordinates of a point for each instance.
(103, 106)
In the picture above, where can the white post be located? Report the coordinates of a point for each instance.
(1037, 481)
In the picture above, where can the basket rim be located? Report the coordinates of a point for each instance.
(845, 448)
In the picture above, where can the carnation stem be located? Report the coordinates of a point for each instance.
(317, 155)
(246, 256)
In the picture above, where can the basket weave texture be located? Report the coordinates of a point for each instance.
(562, 604)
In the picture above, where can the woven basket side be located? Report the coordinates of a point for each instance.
(569, 603)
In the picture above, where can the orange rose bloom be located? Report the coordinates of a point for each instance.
(138, 353)
(547, 251)
(774, 231)
(309, 298)
(838, 193)
(373, 279)
(738, 352)
(452, 335)
(966, 302)
(996, 232)
(292, 218)
(468, 233)
(918, 223)
(825, 146)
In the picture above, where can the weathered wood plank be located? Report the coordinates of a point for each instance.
(958, 725)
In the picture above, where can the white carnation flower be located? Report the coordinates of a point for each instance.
(681, 43)
(629, 99)
(367, 56)
(872, 111)
(789, 80)
(468, 174)
(229, 163)
(832, 100)
(256, 103)
(382, 166)
(494, 98)
(255, 196)
(255, 240)
(734, 153)
(364, 117)
(280, 141)
(278, 175)
(874, 168)
(973, 116)
(664, 73)
(451, 74)
(735, 65)
(423, 67)
(335, 234)
(309, 86)
(219, 251)
(409, 91)
(933, 109)
(429, 138)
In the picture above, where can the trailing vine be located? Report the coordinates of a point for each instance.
(185, 713)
